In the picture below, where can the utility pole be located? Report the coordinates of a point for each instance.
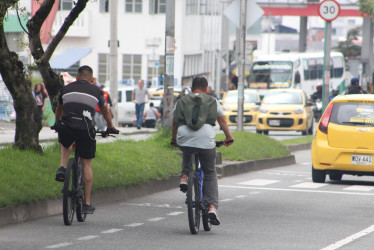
(327, 65)
(114, 59)
(168, 98)
(241, 63)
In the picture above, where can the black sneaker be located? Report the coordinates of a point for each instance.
(88, 209)
(183, 183)
(60, 174)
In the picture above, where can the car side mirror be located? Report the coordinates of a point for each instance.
(309, 104)
(258, 103)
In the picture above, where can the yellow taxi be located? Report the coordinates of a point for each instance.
(285, 109)
(250, 109)
(343, 143)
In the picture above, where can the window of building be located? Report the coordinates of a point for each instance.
(131, 67)
(192, 65)
(192, 7)
(133, 6)
(104, 66)
(157, 6)
(104, 6)
(155, 68)
(66, 5)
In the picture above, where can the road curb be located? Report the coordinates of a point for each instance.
(297, 147)
(43, 208)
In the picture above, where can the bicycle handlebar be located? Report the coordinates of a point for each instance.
(220, 143)
(101, 133)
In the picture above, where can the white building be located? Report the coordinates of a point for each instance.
(141, 39)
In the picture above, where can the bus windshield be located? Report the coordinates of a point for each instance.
(270, 75)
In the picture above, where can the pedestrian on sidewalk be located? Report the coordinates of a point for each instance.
(138, 96)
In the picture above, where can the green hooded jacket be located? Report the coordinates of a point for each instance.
(196, 110)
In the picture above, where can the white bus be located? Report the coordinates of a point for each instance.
(295, 70)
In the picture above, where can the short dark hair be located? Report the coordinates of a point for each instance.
(199, 82)
(85, 72)
(355, 81)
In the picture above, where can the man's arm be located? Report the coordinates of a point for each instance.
(222, 122)
(133, 96)
(107, 116)
(58, 112)
(174, 131)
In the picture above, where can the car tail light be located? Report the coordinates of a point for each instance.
(326, 119)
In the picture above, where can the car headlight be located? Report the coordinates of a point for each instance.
(256, 108)
(263, 110)
(299, 111)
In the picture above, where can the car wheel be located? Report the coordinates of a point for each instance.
(258, 131)
(334, 176)
(266, 132)
(318, 176)
(310, 130)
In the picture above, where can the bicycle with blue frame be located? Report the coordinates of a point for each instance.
(196, 208)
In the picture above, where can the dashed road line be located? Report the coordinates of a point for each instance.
(65, 244)
(134, 224)
(309, 185)
(175, 213)
(110, 231)
(88, 237)
(259, 182)
(156, 219)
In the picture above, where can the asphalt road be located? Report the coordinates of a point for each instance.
(278, 208)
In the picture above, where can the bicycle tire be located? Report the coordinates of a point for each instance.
(206, 221)
(68, 200)
(193, 203)
(78, 184)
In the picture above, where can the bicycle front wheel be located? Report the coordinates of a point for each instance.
(78, 183)
(193, 202)
(68, 199)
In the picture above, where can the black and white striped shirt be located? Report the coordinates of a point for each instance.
(79, 100)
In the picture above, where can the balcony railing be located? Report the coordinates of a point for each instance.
(80, 27)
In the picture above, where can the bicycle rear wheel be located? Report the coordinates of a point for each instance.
(78, 183)
(193, 202)
(68, 200)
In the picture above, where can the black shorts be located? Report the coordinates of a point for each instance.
(86, 143)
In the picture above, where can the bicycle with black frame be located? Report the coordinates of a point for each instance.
(73, 187)
(196, 208)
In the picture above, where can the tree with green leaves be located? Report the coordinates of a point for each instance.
(16, 77)
(347, 47)
(366, 6)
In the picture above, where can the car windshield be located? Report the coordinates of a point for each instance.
(353, 114)
(283, 98)
(232, 97)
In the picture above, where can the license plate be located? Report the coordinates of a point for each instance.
(361, 159)
(274, 122)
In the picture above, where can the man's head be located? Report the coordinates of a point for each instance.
(355, 81)
(199, 84)
(335, 92)
(140, 84)
(85, 73)
(151, 104)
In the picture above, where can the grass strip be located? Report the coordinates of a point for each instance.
(300, 140)
(26, 176)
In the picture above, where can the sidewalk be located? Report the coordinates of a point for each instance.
(7, 133)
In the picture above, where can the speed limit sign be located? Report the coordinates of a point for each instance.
(329, 10)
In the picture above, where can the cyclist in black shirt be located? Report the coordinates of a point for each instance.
(74, 122)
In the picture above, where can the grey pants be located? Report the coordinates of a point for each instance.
(207, 159)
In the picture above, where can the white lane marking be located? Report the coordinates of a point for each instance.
(134, 224)
(150, 205)
(306, 163)
(285, 171)
(297, 190)
(349, 239)
(308, 185)
(225, 200)
(88, 237)
(255, 192)
(359, 188)
(156, 219)
(110, 231)
(175, 213)
(240, 196)
(65, 244)
(258, 182)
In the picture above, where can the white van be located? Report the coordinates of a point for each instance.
(126, 108)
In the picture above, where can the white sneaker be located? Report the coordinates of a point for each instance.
(212, 214)
(183, 183)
